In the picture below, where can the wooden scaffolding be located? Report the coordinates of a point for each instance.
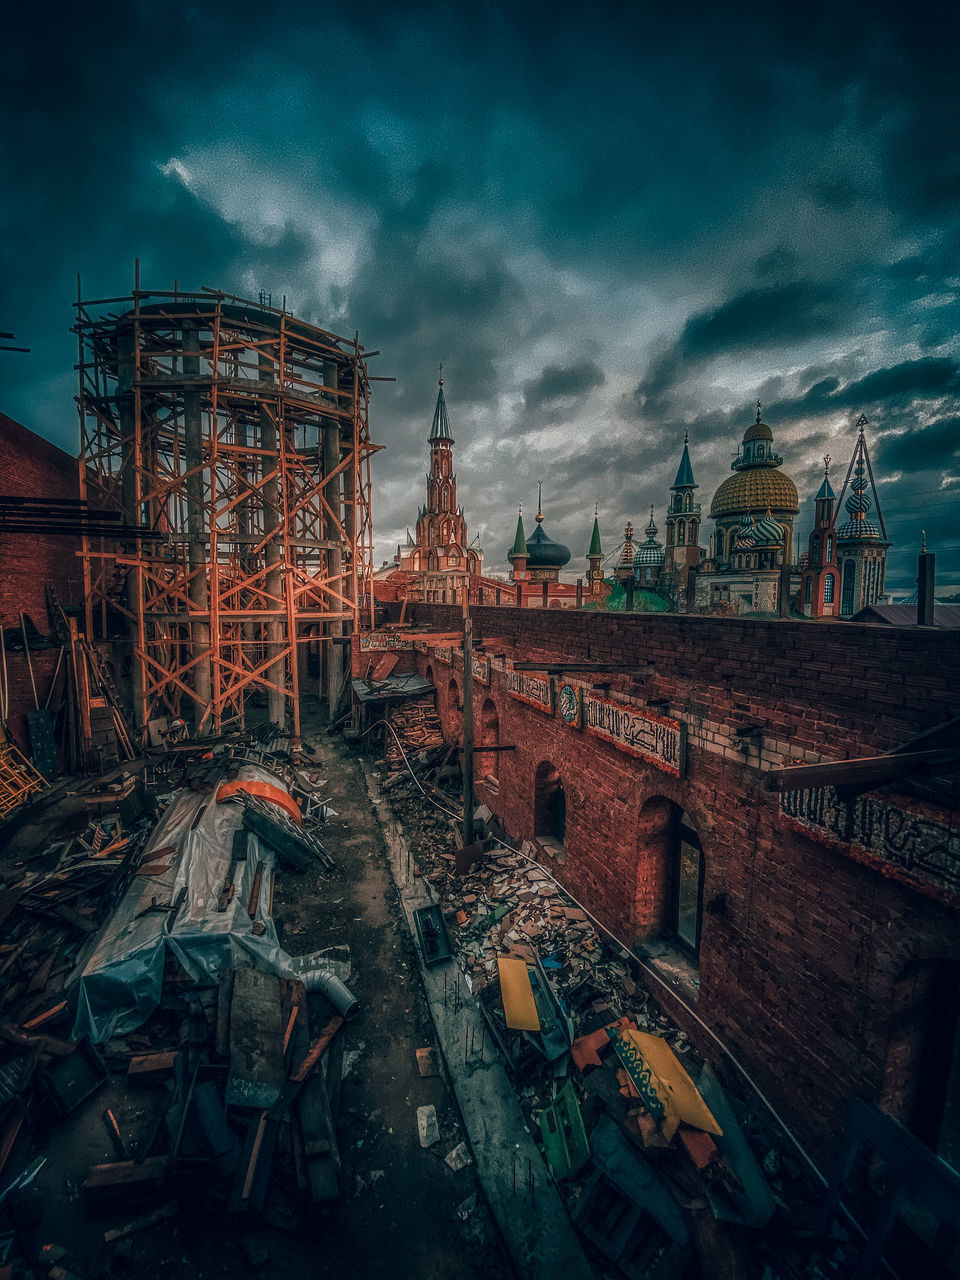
(233, 439)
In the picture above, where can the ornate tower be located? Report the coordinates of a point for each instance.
(861, 542)
(649, 558)
(758, 487)
(624, 569)
(595, 555)
(445, 567)
(683, 517)
(441, 523)
(820, 572)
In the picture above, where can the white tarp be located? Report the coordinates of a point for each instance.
(119, 974)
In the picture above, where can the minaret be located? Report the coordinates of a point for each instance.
(517, 555)
(595, 555)
(861, 542)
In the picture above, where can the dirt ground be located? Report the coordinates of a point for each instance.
(398, 1212)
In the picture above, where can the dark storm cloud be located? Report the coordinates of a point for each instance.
(557, 383)
(755, 319)
(934, 446)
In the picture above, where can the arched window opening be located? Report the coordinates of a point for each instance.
(828, 587)
(693, 532)
(549, 805)
(816, 549)
(808, 591)
(686, 501)
(453, 698)
(488, 762)
(681, 532)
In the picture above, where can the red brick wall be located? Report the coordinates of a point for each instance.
(798, 970)
(32, 467)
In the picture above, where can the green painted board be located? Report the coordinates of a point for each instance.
(564, 1136)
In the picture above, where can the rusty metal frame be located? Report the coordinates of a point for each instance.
(206, 417)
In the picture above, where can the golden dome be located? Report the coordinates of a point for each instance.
(758, 431)
(755, 489)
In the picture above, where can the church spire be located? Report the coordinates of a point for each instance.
(441, 427)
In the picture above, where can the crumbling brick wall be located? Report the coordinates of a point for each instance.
(802, 945)
(33, 467)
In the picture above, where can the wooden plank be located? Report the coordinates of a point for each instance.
(151, 1068)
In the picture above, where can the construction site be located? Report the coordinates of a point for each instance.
(439, 937)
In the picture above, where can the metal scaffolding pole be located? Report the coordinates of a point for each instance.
(238, 437)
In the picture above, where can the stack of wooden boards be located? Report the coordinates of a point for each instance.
(418, 727)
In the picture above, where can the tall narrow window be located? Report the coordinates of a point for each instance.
(846, 586)
(828, 584)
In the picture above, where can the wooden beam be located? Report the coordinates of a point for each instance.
(869, 770)
(558, 668)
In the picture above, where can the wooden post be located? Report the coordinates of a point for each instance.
(579, 593)
(926, 579)
(467, 725)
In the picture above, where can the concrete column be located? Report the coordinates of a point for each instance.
(273, 552)
(197, 553)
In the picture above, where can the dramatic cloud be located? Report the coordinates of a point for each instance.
(608, 232)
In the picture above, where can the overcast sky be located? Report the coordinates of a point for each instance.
(609, 223)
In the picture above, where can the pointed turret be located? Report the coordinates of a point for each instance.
(441, 427)
(519, 547)
(595, 555)
(862, 540)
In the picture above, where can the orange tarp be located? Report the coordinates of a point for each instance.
(264, 791)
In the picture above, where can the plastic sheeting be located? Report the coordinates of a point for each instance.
(118, 978)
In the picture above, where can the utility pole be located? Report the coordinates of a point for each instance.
(467, 723)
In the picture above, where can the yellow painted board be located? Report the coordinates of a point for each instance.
(518, 1002)
(681, 1098)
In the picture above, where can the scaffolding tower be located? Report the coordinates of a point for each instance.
(233, 439)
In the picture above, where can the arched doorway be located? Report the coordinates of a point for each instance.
(670, 873)
(549, 804)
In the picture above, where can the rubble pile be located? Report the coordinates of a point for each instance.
(221, 1089)
(641, 1188)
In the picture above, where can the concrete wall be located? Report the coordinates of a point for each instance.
(808, 942)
